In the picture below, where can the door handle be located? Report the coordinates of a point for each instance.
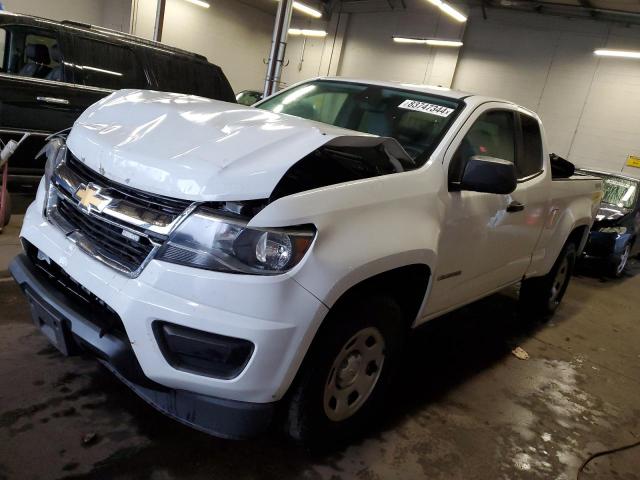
(515, 207)
(54, 100)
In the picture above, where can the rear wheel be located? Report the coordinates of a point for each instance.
(344, 380)
(618, 263)
(543, 295)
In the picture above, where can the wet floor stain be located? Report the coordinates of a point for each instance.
(463, 407)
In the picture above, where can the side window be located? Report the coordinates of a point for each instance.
(493, 135)
(30, 52)
(530, 162)
(106, 65)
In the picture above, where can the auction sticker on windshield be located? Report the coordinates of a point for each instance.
(426, 108)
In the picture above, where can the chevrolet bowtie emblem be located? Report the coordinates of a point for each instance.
(90, 199)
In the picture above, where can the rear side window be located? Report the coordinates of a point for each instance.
(106, 65)
(193, 77)
(530, 162)
(492, 134)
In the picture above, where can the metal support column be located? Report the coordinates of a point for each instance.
(157, 30)
(278, 47)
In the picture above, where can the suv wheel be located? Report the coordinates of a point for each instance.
(343, 381)
(542, 295)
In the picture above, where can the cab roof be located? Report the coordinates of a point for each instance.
(469, 98)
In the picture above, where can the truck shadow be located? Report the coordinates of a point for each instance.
(455, 347)
(594, 269)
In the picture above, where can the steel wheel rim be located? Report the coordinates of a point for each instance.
(624, 258)
(559, 281)
(354, 374)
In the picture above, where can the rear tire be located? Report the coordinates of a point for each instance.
(7, 211)
(542, 295)
(341, 387)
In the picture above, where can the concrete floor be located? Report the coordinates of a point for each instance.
(465, 407)
(10, 242)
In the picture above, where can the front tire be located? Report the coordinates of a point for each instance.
(618, 263)
(343, 382)
(542, 295)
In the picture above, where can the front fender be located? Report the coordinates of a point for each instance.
(364, 228)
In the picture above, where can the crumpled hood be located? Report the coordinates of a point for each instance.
(610, 213)
(195, 148)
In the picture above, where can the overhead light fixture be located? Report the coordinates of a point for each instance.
(444, 43)
(617, 53)
(434, 42)
(307, 33)
(301, 7)
(200, 3)
(449, 10)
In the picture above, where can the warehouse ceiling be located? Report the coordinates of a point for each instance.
(617, 10)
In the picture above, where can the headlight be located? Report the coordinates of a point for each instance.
(618, 230)
(210, 241)
(55, 150)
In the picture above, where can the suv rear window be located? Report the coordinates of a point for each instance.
(193, 77)
(105, 65)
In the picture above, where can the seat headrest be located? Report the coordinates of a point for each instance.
(37, 52)
(55, 53)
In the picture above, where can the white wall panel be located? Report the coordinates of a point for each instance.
(229, 33)
(369, 51)
(106, 13)
(590, 105)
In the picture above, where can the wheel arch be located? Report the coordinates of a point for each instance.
(579, 236)
(408, 284)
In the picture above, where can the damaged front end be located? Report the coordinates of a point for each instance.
(344, 159)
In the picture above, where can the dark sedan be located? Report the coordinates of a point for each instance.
(615, 230)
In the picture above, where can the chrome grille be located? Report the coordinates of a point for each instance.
(150, 202)
(107, 239)
(127, 232)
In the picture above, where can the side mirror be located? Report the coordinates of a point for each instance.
(489, 175)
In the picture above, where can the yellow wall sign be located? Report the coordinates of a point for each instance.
(633, 161)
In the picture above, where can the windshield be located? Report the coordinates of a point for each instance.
(416, 120)
(621, 192)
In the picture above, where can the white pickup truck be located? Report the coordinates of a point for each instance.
(229, 263)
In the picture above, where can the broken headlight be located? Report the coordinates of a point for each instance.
(213, 242)
(56, 151)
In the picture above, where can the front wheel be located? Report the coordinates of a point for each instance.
(618, 263)
(543, 295)
(347, 372)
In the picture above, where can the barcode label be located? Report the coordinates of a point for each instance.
(426, 108)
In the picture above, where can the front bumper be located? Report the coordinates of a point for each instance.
(274, 313)
(225, 418)
(604, 244)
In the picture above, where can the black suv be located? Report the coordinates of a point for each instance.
(52, 71)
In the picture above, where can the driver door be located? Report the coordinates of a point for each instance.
(487, 239)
